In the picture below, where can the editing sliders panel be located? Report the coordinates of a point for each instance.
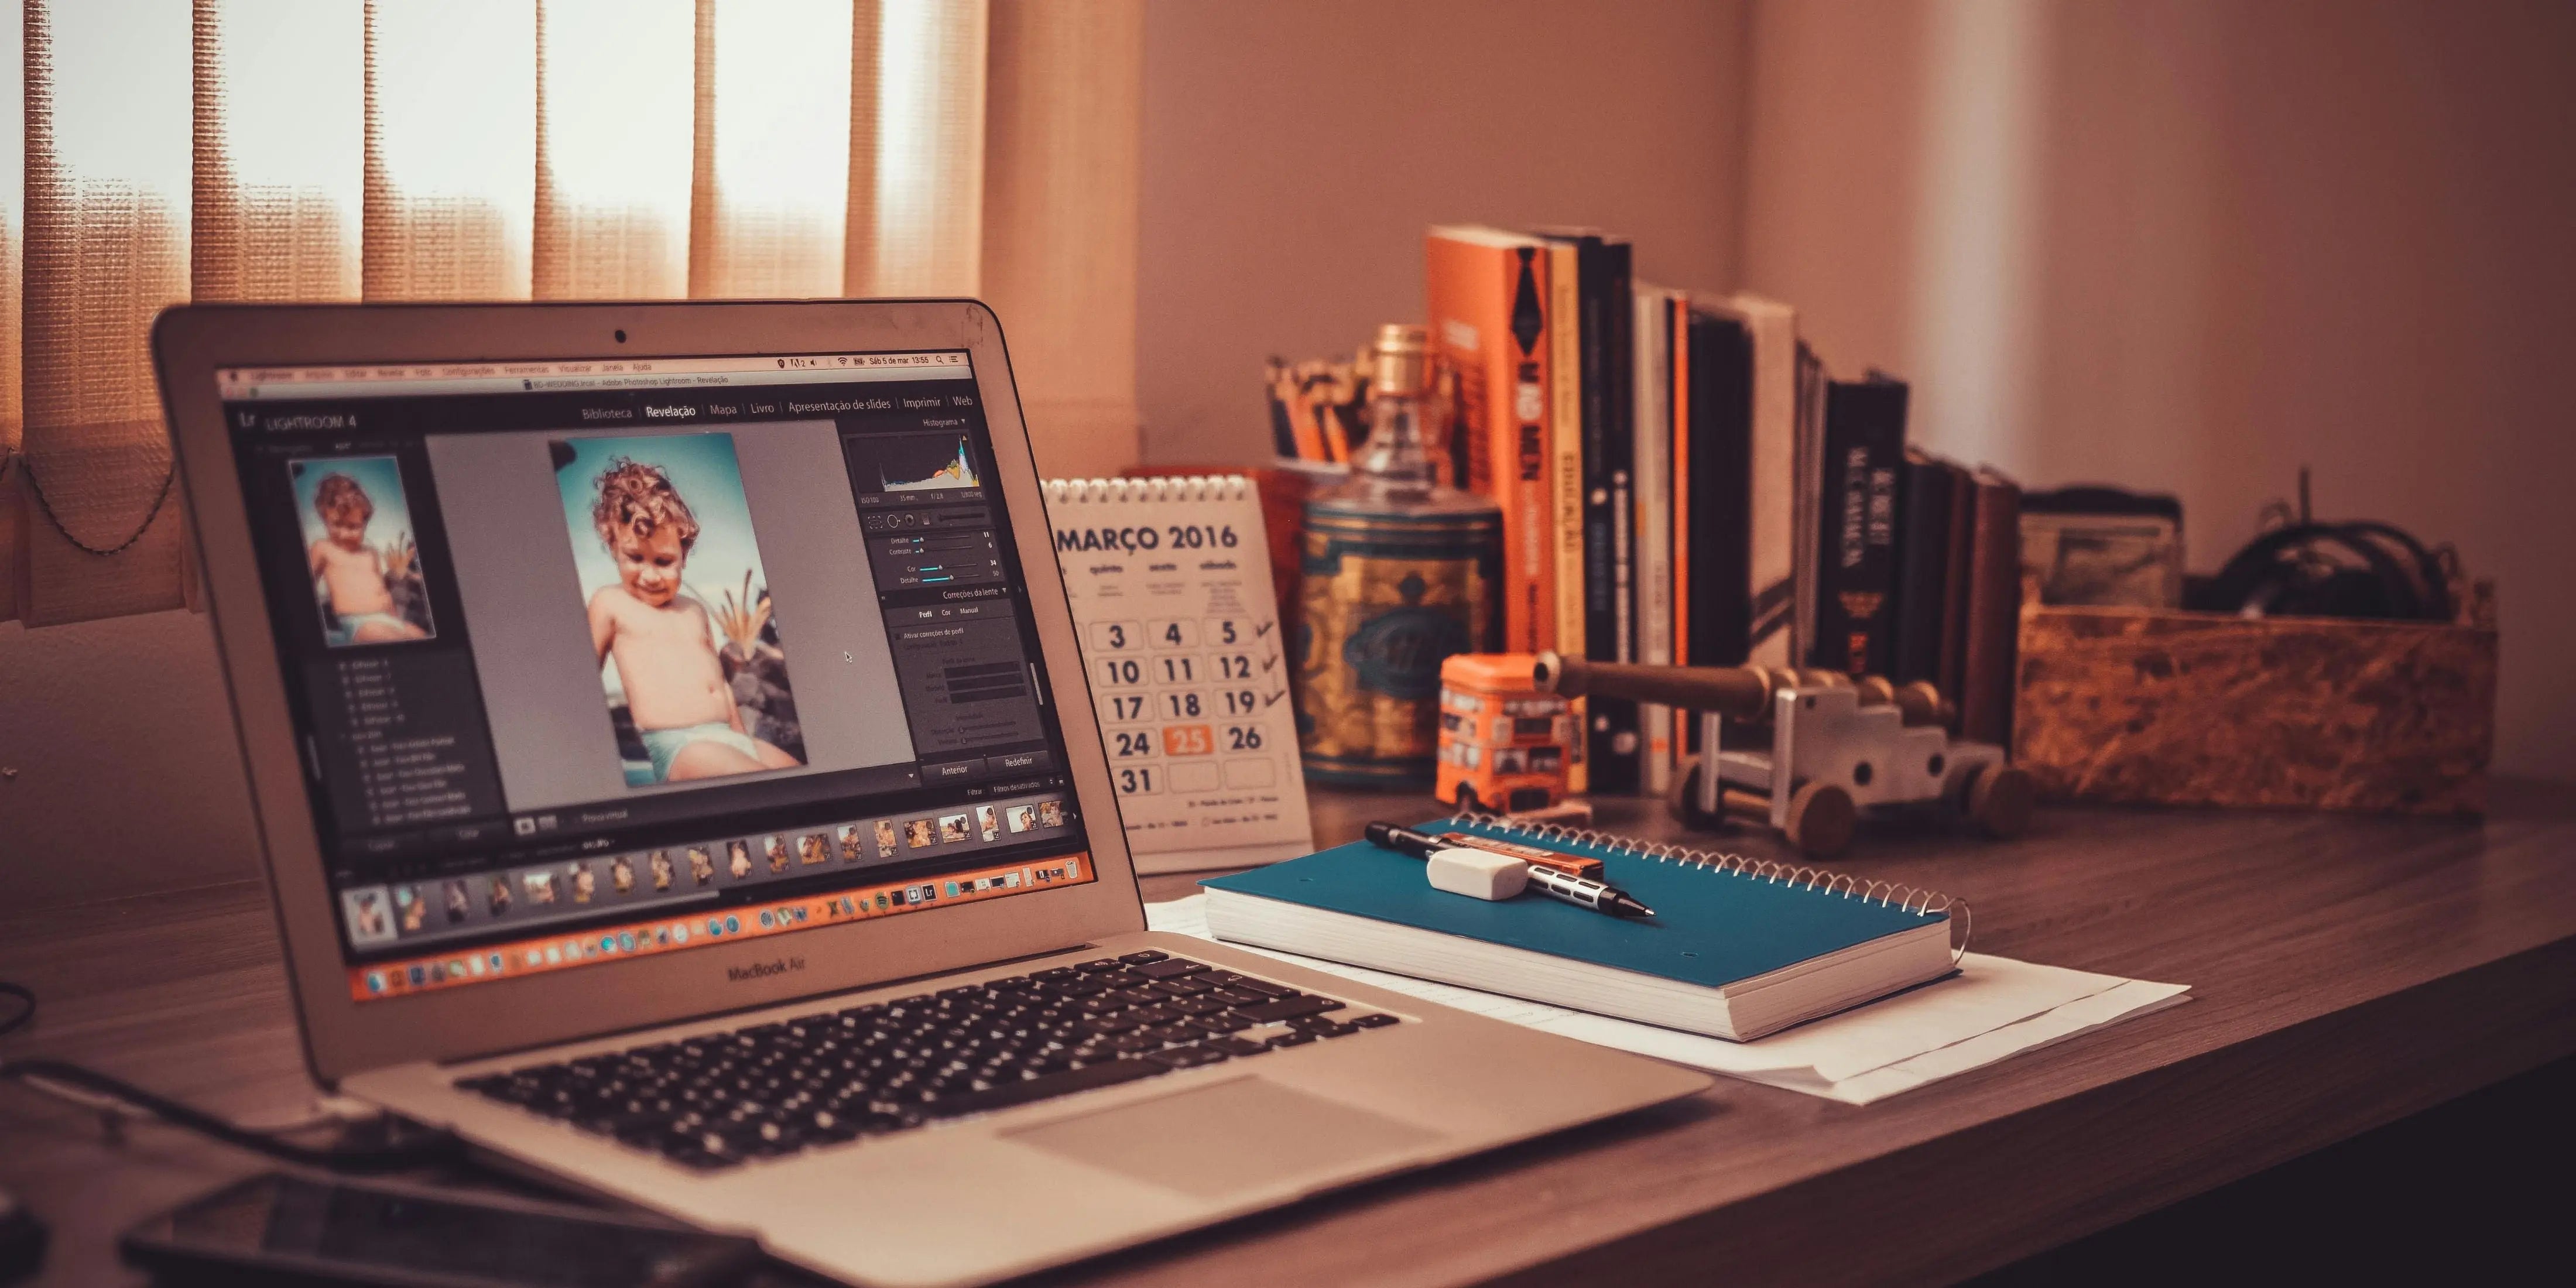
(966, 682)
(675, 932)
(914, 548)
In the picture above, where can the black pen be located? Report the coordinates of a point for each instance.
(1595, 895)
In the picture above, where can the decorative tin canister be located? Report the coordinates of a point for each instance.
(1400, 571)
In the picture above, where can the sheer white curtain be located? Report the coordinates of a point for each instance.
(616, 140)
(516, 149)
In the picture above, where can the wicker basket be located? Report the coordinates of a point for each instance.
(2182, 708)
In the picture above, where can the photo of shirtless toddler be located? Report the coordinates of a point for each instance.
(358, 549)
(365, 909)
(678, 607)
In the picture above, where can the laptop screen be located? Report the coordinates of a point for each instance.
(593, 660)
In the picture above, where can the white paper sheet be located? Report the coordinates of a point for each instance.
(1994, 1007)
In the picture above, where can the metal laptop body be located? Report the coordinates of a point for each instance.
(958, 1201)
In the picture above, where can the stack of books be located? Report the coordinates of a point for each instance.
(1683, 483)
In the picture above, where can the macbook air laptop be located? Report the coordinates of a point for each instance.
(677, 777)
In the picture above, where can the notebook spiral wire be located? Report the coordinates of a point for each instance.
(1886, 894)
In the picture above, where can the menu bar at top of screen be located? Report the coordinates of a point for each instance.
(388, 380)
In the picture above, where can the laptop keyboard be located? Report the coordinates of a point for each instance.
(722, 1099)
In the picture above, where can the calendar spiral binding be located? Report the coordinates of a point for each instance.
(1886, 894)
(1192, 487)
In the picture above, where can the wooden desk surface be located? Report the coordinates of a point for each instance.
(2345, 972)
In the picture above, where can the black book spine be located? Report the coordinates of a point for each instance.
(1856, 527)
(1721, 484)
(1922, 565)
(1609, 449)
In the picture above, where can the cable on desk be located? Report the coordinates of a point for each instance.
(406, 1145)
(113, 1112)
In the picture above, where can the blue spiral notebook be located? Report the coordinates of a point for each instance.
(1738, 948)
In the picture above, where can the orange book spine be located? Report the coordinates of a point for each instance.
(1565, 483)
(1488, 316)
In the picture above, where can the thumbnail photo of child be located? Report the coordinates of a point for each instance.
(986, 824)
(775, 849)
(696, 681)
(1050, 814)
(917, 834)
(885, 838)
(702, 865)
(413, 909)
(738, 859)
(813, 848)
(853, 842)
(952, 828)
(661, 870)
(359, 551)
(499, 900)
(1022, 817)
(368, 920)
(621, 874)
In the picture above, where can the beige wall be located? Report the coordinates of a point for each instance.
(1294, 152)
(2246, 236)
(2228, 240)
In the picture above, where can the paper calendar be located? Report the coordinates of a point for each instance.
(1170, 584)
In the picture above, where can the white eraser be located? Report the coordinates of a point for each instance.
(1477, 874)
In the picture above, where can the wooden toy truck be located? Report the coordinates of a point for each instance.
(1812, 748)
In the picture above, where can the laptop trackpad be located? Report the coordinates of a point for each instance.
(1213, 1141)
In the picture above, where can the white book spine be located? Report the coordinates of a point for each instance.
(1653, 506)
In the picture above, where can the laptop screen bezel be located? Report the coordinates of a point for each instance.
(344, 1036)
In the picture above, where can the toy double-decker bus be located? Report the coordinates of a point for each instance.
(1503, 742)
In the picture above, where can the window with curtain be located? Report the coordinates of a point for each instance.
(278, 150)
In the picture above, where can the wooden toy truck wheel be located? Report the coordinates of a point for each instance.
(2000, 799)
(1685, 801)
(1821, 819)
(1822, 816)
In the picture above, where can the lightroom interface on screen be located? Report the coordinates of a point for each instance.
(597, 659)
